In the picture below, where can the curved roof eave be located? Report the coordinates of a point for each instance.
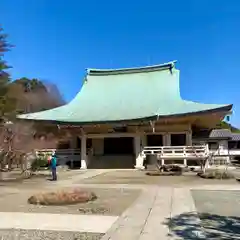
(133, 94)
(225, 108)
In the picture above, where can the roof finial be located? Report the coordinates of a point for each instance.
(152, 123)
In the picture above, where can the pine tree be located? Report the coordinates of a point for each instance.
(6, 104)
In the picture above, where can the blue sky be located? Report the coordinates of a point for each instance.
(56, 40)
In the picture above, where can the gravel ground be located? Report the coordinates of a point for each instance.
(109, 202)
(219, 212)
(140, 177)
(40, 179)
(15, 234)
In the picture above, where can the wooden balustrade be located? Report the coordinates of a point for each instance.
(62, 154)
(49, 151)
(177, 152)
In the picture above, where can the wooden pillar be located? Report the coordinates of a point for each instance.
(73, 146)
(138, 156)
(168, 139)
(188, 143)
(83, 151)
(144, 140)
(189, 138)
(166, 142)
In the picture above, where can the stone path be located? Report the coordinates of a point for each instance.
(150, 217)
(56, 222)
(83, 174)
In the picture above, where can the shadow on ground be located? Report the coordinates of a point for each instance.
(211, 226)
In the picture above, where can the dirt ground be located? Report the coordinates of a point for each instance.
(109, 202)
(39, 179)
(140, 177)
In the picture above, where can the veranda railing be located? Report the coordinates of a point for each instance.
(177, 152)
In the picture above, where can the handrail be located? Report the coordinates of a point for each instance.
(194, 146)
(63, 155)
(173, 152)
(50, 150)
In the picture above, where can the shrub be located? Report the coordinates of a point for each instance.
(172, 168)
(62, 197)
(169, 173)
(38, 163)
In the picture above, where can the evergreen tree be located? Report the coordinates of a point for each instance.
(6, 104)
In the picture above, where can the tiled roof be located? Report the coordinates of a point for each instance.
(236, 136)
(224, 134)
(118, 95)
(216, 134)
(220, 133)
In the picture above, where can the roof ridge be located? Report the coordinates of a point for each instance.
(164, 66)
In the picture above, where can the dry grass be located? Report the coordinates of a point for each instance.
(217, 174)
(62, 197)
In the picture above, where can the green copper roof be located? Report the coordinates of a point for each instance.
(126, 94)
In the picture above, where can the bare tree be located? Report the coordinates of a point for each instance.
(20, 138)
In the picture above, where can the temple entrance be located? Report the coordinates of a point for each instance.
(113, 153)
(118, 146)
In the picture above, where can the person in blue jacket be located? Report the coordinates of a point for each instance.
(53, 165)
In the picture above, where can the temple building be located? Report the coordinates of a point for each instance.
(120, 114)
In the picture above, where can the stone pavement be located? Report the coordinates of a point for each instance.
(56, 222)
(149, 217)
(81, 174)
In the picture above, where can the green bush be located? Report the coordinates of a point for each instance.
(38, 163)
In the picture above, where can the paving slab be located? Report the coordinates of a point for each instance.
(133, 220)
(56, 222)
(184, 222)
(156, 215)
(155, 227)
